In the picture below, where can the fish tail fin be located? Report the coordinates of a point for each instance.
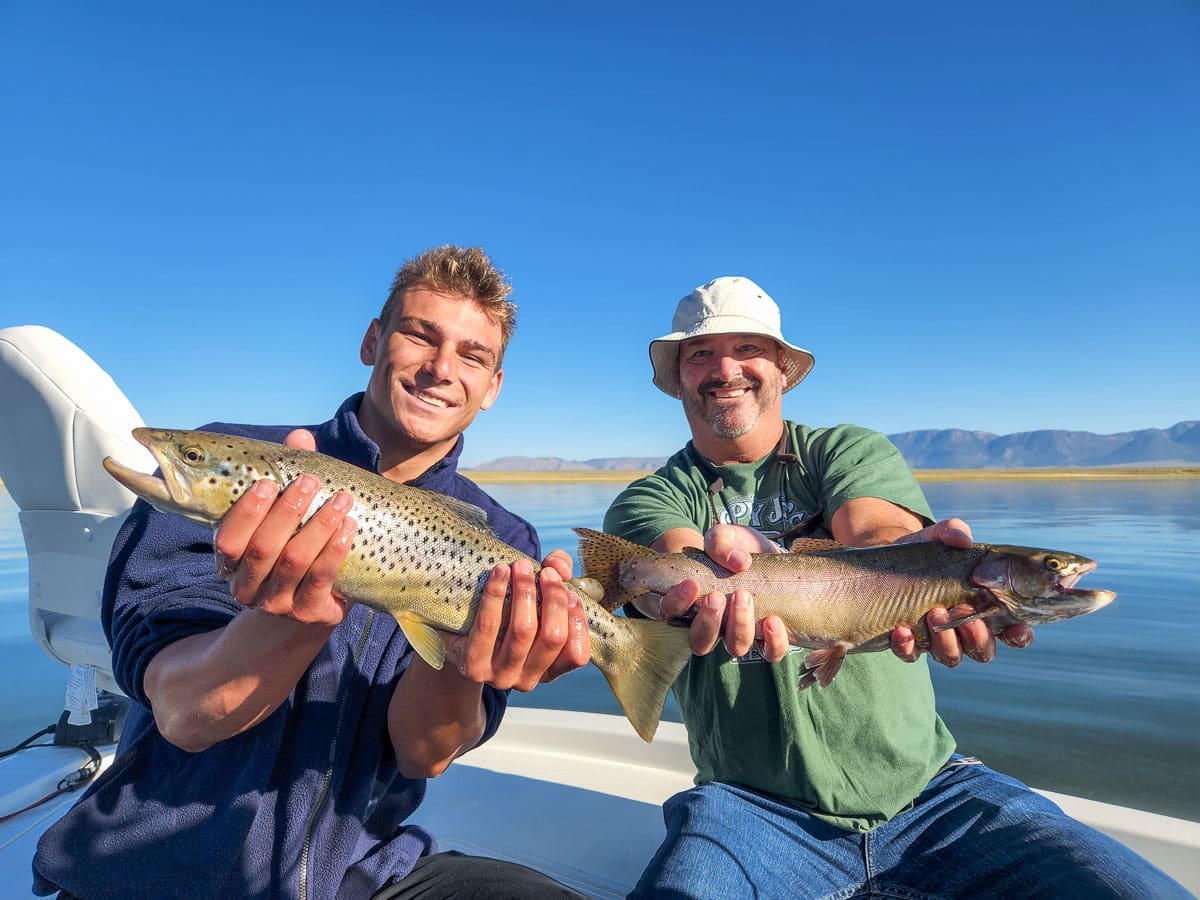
(640, 663)
(601, 555)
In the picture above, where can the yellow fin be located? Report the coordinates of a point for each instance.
(424, 639)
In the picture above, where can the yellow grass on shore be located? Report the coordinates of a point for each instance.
(1160, 473)
(487, 476)
(1143, 473)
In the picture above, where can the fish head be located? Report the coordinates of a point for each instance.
(1038, 586)
(202, 473)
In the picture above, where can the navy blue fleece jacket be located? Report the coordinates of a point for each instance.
(306, 804)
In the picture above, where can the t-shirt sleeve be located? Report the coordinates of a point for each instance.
(856, 462)
(648, 508)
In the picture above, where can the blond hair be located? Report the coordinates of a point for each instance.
(464, 272)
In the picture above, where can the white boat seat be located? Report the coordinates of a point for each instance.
(60, 415)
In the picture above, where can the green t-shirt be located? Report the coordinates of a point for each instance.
(855, 753)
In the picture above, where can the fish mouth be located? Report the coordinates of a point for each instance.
(1075, 601)
(1083, 599)
(1067, 581)
(166, 492)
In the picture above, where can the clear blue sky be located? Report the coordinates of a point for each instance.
(976, 215)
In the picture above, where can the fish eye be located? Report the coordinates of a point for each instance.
(1053, 563)
(193, 454)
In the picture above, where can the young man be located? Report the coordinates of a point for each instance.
(280, 737)
(854, 787)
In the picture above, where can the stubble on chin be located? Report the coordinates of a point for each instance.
(727, 423)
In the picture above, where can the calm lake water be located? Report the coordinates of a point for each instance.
(1106, 706)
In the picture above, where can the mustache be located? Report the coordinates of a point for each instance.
(714, 384)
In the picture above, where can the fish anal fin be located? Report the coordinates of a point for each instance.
(424, 638)
(822, 666)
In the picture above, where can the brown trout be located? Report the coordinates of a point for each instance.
(836, 600)
(418, 556)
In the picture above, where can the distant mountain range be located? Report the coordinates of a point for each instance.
(953, 448)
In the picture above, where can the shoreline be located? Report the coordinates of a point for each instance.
(1142, 473)
(1124, 473)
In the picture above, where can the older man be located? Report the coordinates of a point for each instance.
(854, 789)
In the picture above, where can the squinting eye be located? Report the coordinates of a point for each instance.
(193, 455)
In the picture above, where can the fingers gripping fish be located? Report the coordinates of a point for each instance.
(837, 600)
(419, 556)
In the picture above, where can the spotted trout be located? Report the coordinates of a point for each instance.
(837, 600)
(418, 556)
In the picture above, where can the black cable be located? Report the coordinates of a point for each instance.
(49, 729)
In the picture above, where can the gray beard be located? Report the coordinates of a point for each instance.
(730, 425)
(727, 424)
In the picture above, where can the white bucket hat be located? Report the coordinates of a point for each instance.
(729, 305)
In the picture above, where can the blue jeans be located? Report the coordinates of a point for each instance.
(971, 833)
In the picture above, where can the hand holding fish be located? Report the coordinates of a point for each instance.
(536, 642)
(275, 565)
(731, 618)
(975, 639)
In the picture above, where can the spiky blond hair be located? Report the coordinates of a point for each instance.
(462, 271)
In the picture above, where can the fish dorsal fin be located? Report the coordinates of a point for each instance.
(815, 545)
(424, 639)
(468, 512)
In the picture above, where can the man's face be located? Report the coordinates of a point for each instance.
(729, 381)
(434, 367)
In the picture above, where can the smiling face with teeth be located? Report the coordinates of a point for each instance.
(434, 366)
(731, 386)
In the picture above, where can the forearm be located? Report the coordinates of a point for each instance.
(869, 521)
(434, 717)
(212, 686)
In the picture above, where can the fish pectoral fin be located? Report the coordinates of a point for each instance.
(963, 620)
(821, 666)
(424, 639)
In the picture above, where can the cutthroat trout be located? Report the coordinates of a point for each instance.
(419, 556)
(837, 600)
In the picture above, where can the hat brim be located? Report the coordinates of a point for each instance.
(664, 352)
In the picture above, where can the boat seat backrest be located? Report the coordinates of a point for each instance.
(60, 415)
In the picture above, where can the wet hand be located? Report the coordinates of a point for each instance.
(519, 648)
(731, 619)
(953, 532)
(974, 639)
(271, 563)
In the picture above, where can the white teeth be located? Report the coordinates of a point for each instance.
(431, 400)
